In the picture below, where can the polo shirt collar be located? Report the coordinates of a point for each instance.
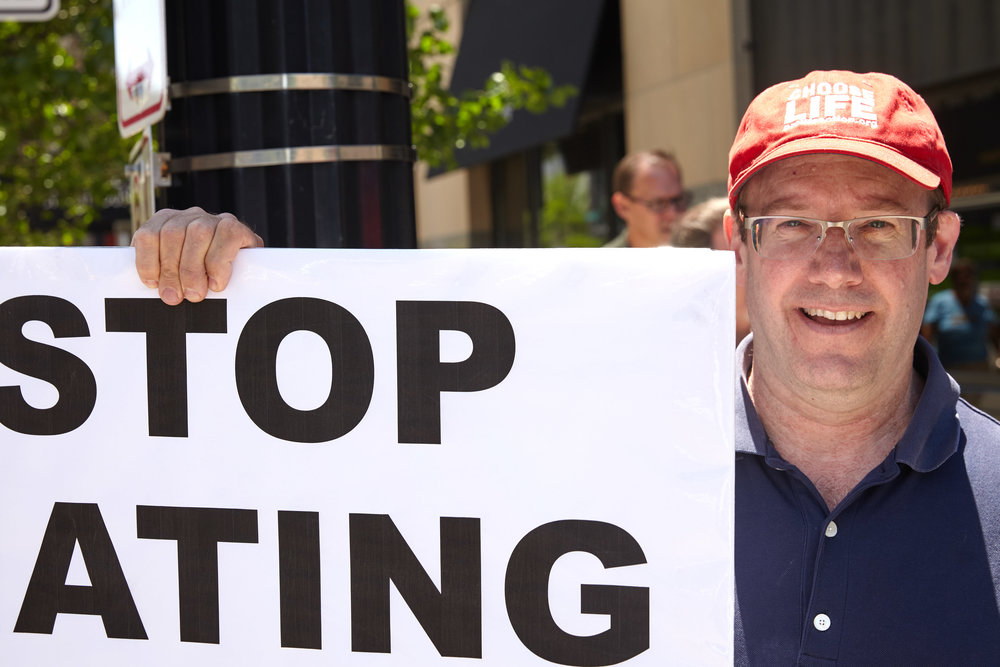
(930, 439)
(934, 431)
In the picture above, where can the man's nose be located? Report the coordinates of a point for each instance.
(835, 262)
(837, 237)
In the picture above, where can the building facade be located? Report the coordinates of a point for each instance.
(677, 75)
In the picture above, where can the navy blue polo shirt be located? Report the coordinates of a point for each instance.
(905, 570)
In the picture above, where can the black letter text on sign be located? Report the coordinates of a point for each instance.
(422, 376)
(452, 618)
(299, 579)
(166, 351)
(526, 590)
(353, 378)
(70, 376)
(198, 531)
(108, 595)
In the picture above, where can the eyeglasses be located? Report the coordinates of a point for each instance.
(875, 237)
(658, 206)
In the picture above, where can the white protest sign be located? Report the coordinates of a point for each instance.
(514, 457)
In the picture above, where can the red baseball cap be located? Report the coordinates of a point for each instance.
(873, 116)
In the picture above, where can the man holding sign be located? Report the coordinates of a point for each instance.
(867, 510)
(867, 516)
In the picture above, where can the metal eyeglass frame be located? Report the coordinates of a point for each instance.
(922, 222)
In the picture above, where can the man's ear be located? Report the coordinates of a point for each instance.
(941, 249)
(736, 244)
(620, 203)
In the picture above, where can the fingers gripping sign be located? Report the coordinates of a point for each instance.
(186, 253)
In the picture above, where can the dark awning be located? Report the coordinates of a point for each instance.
(556, 35)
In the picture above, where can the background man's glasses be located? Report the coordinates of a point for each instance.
(658, 206)
(875, 237)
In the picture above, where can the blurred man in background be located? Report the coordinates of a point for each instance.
(649, 196)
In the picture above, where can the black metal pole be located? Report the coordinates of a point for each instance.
(315, 155)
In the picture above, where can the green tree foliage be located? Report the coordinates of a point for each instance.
(61, 156)
(563, 222)
(443, 122)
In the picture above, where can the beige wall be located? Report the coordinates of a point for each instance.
(452, 209)
(679, 83)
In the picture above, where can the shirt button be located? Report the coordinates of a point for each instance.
(831, 529)
(821, 622)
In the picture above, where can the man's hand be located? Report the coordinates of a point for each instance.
(186, 253)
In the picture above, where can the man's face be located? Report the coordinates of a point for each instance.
(653, 184)
(832, 321)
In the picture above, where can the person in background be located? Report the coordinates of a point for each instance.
(701, 227)
(648, 194)
(960, 322)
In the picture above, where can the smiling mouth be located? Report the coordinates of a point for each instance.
(838, 316)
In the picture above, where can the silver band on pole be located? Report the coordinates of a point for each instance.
(273, 157)
(259, 83)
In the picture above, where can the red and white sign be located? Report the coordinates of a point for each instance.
(140, 64)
